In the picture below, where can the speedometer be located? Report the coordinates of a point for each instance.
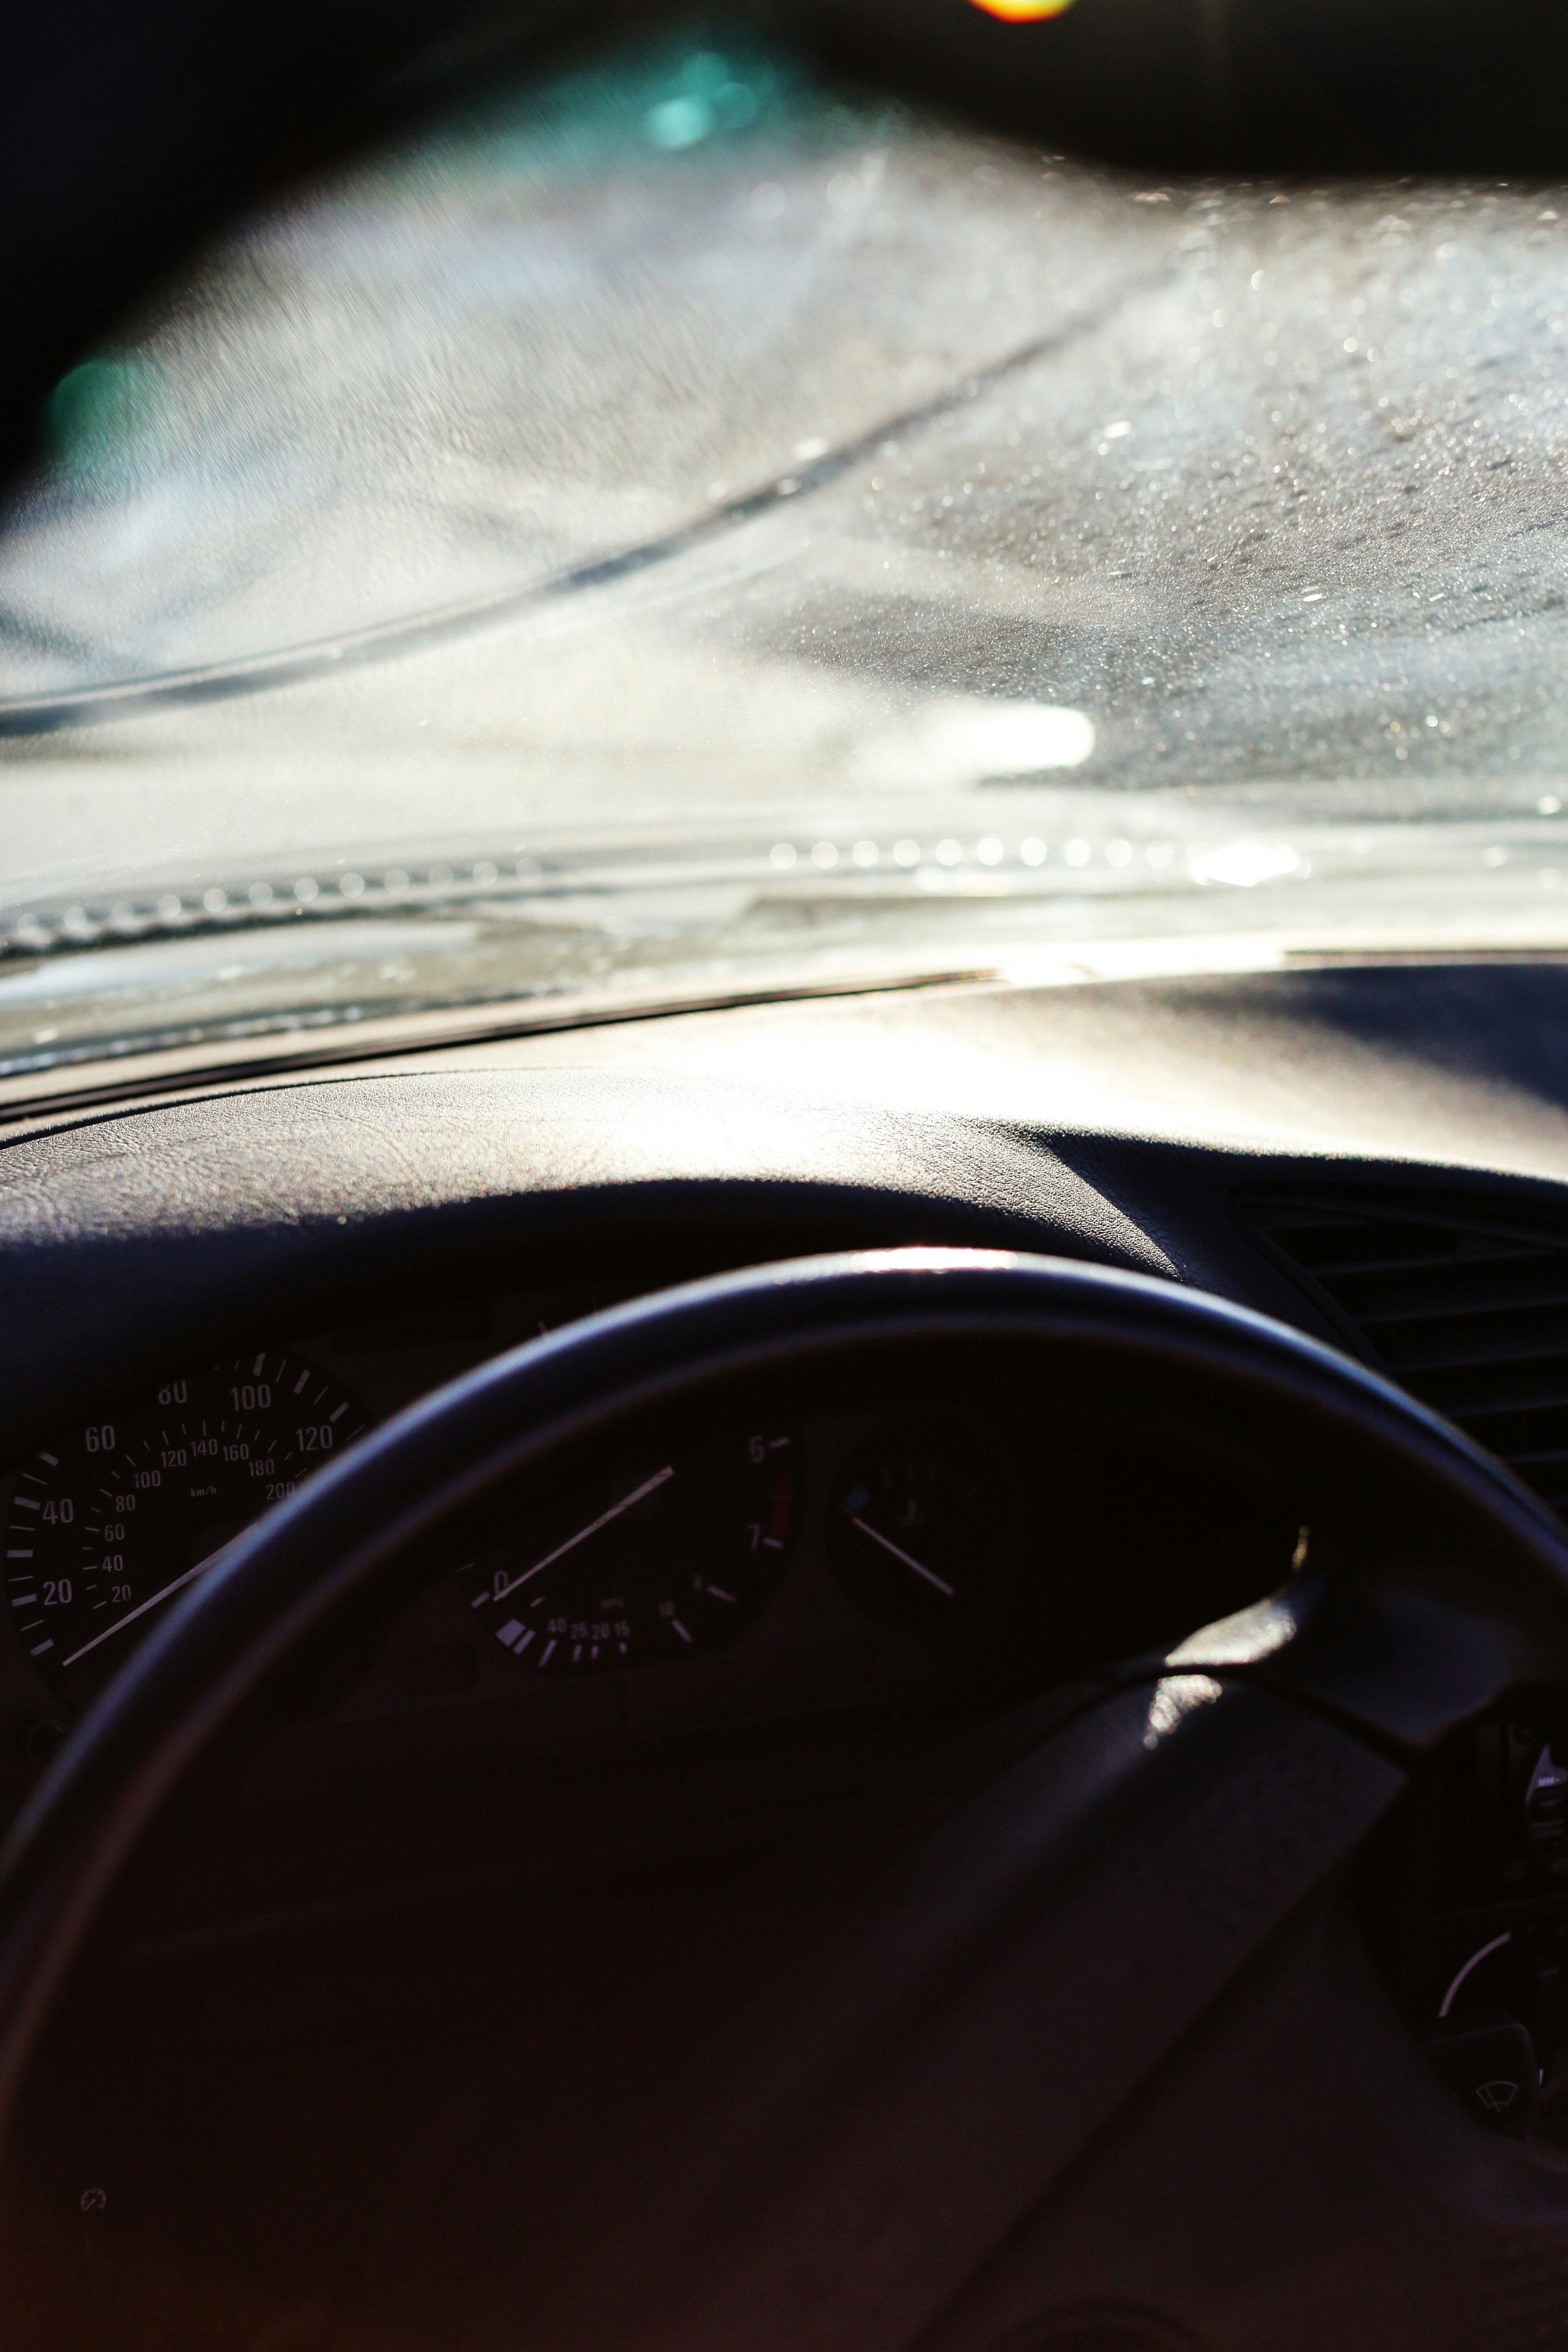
(117, 1514)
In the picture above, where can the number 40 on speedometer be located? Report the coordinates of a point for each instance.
(113, 1517)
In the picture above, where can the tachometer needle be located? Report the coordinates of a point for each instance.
(908, 1558)
(648, 1487)
(131, 1615)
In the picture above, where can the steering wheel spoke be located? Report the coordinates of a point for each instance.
(856, 2145)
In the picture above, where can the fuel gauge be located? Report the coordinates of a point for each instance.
(918, 1524)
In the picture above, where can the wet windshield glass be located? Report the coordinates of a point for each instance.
(683, 524)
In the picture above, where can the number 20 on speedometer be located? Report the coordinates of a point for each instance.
(113, 1517)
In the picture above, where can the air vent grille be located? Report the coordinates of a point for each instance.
(1462, 1300)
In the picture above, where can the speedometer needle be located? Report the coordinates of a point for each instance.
(637, 1495)
(908, 1558)
(131, 1615)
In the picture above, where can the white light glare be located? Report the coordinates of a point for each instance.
(1244, 864)
(958, 740)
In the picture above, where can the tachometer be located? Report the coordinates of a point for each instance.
(670, 1551)
(116, 1515)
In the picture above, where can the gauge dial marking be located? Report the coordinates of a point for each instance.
(638, 1495)
(684, 1558)
(128, 1509)
(142, 1608)
(908, 1558)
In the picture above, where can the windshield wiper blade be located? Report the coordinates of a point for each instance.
(360, 887)
(783, 863)
(1074, 846)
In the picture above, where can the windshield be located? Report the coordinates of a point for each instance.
(682, 527)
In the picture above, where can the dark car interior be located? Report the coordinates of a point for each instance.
(885, 1663)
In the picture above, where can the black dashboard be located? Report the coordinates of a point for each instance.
(715, 1640)
(206, 1297)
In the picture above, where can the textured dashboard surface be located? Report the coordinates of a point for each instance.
(1105, 1121)
(168, 1220)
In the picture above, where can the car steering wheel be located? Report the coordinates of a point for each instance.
(1089, 2051)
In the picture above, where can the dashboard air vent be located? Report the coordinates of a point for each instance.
(1463, 1299)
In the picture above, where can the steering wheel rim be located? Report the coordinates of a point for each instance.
(325, 1547)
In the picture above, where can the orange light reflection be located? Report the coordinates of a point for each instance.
(1023, 12)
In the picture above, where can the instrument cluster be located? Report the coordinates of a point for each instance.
(765, 1551)
(897, 1527)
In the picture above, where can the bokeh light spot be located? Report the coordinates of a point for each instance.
(1023, 12)
(679, 122)
(98, 410)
